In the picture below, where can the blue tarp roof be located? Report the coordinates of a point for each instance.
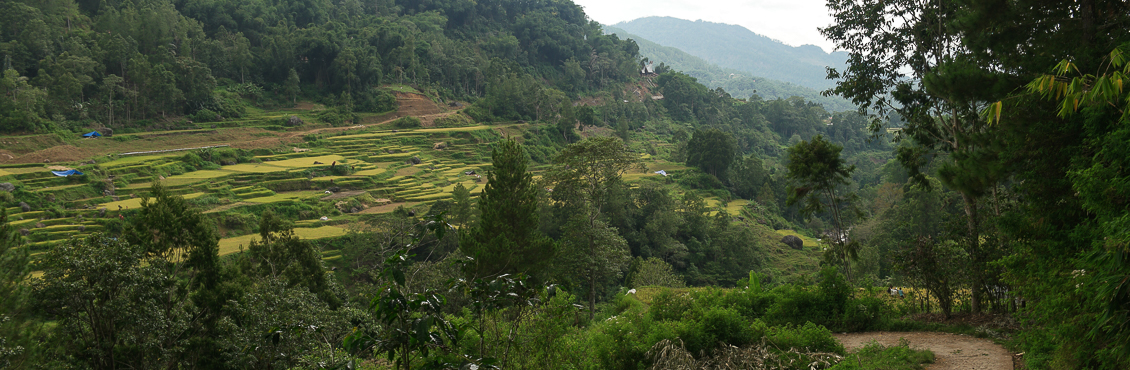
(67, 173)
(92, 134)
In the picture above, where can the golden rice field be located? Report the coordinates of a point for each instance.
(233, 244)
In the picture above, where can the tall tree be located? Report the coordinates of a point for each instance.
(711, 150)
(918, 69)
(584, 172)
(461, 205)
(506, 240)
(817, 175)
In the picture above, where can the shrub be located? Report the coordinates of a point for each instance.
(332, 117)
(407, 122)
(204, 115)
(653, 272)
(668, 305)
(810, 336)
(374, 100)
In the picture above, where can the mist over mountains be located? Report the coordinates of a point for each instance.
(735, 47)
(737, 83)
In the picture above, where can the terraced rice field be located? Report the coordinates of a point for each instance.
(402, 167)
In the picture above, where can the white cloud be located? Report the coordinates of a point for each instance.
(793, 22)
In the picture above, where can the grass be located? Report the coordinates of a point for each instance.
(126, 203)
(369, 172)
(202, 174)
(285, 197)
(808, 242)
(876, 356)
(232, 245)
(306, 162)
(255, 168)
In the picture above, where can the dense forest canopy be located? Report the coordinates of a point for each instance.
(114, 63)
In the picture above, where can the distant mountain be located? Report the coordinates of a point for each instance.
(737, 83)
(736, 47)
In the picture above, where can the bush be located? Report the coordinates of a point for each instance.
(407, 122)
(374, 100)
(668, 305)
(204, 115)
(810, 336)
(332, 117)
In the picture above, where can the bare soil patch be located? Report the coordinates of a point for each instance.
(62, 153)
(951, 351)
(416, 105)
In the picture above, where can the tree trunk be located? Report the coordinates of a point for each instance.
(974, 252)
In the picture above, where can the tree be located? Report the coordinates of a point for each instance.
(291, 86)
(461, 207)
(182, 244)
(815, 173)
(584, 173)
(506, 240)
(918, 69)
(107, 302)
(711, 150)
(280, 254)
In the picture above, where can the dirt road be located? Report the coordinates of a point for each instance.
(951, 351)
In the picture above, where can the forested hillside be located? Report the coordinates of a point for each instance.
(738, 83)
(735, 47)
(91, 63)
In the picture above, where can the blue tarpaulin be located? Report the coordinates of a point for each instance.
(92, 134)
(67, 173)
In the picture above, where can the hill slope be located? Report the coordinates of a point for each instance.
(731, 46)
(737, 83)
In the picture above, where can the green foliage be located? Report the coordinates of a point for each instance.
(109, 305)
(13, 271)
(711, 150)
(817, 172)
(412, 322)
(279, 254)
(653, 272)
(406, 122)
(506, 239)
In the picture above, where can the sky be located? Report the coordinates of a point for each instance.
(792, 22)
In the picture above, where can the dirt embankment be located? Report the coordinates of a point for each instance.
(951, 351)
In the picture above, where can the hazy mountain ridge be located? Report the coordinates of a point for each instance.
(737, 83)
(732, 46)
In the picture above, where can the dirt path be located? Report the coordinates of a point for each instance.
(951, 351)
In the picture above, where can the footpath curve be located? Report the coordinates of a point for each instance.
(951, 351)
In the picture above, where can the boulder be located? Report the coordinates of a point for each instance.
(793, 242)
(294, 121)
(25, 207)
(102, 212)
(439, 146)
(25, 232)
(7, 186)
(415, 160)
